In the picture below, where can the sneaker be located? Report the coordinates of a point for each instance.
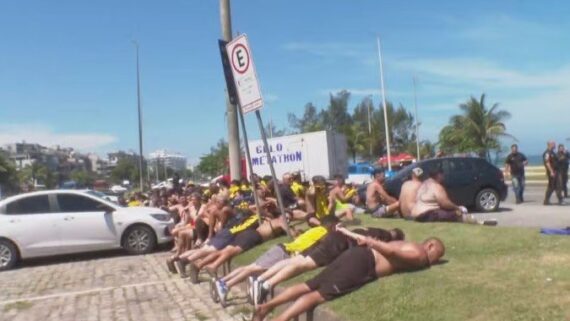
(222, 291)
(170, 266)
(181, 268)
(263, 293)
(469, 219)
(213, 290)
(255, 291)
(250, 285)
(490, 222)
(194, 274)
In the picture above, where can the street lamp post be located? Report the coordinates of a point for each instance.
(141, 177)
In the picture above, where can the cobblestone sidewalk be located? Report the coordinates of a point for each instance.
(106, 289)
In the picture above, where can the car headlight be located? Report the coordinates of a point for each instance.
(161, 217)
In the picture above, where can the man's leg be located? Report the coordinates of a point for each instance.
(237, 278)
(208, 259)
(292, 270)
(193, 255)
(522, 184)
(302, 305)
(565, 182)
(549, 189)
(224, 256)
(516, 188)
(291, 293)
(558, 186)
(278, 267)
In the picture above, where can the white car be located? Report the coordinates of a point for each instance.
(69, 221)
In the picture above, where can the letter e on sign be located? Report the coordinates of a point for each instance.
(245, 77)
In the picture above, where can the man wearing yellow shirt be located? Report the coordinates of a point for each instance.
(275, 256)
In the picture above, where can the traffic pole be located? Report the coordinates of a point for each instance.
(272, 169)
(248, 156)
(232, 119)
(141, 177)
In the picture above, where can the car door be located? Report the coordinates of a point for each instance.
(87, 223)
(33, 225)
(459, 180)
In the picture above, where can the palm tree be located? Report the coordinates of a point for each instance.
(478, 129)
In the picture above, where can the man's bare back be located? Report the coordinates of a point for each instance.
(416, 259)
(408, 195)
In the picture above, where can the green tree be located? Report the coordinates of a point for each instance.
(126, 169)
(83, 178)
(477, 129)
(310, 121)
(38, 174)
(216, 162)
(8, 176)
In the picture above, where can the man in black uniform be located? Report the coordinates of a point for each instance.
(514, 165)
(550, 163)
(563, 159)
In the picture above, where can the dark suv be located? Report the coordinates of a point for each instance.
(471, 182)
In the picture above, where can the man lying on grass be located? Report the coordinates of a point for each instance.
(277, 255)
(322, 254)
(357, 266)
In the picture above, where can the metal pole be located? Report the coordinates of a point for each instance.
(369, 131)
(141, 177)
(248, 156)
(272, 169)
(384, 103)
(419, 157)
(233, 129)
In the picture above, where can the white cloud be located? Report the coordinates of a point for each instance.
(44, 135)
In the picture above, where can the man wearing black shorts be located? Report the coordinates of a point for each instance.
(353, 269)
(322, 254)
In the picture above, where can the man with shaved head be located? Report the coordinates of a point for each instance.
(550, 163)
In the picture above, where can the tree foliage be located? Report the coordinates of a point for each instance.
(126, 169)
(477, 129)
(8, 176)
(363, 126)
(37, 174)
(215, 163)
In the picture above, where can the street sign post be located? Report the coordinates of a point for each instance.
(250, 99)
(245, 77)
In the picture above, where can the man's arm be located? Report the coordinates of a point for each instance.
(443, 200)
(389, 199)
(408, 254)
(525, 161)
(357, 237)
(547, 161)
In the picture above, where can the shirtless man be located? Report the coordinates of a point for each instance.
(339, 199)
(409, 192)
(353, 269)
(183, 233)
(276, 255)
(433, 204)
(244, 241)
(322, 254)
(378, 202)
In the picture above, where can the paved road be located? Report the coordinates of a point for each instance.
(106, 287)
(532, 213)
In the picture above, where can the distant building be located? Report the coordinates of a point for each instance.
(165, 159)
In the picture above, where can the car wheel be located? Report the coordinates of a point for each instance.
(8, 255)
(139, 239)
(487, 200)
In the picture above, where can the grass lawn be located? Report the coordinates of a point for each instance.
(492, 273)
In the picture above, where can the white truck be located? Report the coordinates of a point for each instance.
(317, 153)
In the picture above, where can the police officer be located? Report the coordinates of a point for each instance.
(550, 163)
(563, 159)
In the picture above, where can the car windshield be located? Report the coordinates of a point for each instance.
(404, 172)
(102, 196)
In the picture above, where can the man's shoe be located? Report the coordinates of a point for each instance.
(181, 268)
(263, 293)
(250, 286)
(170, 266)
(222, 291)
(546, 203)
(213, 291)
(194, 274)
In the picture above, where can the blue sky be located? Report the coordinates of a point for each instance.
(67, 68)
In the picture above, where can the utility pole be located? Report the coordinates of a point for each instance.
(141, 177)
(418, 156)
(381, 61)
(369, 130)
(233, 129)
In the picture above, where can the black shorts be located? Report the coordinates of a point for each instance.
(328, 249)
(350, 271)
(222, 239)
(247, 239)
(439, 215)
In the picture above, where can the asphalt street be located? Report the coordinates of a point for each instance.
(532, 213)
